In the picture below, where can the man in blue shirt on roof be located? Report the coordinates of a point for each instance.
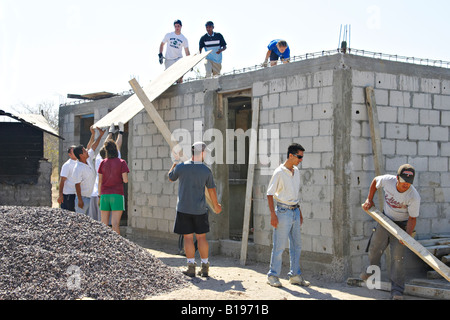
(213, 41)
(278, 49)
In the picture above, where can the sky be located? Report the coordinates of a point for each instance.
(51, 48)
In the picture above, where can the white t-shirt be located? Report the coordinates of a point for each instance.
(175, 43)
(285, 186)
(398, 206)
(85, 175)
(67, 172)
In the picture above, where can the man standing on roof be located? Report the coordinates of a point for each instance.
(278, 49)
(213, 41)
(176, 41)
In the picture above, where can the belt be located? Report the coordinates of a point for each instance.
(287, 206)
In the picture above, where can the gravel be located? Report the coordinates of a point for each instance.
(54, 254)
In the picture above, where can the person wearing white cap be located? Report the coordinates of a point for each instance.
(192, 211)
(401, 205)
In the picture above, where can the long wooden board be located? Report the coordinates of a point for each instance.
(132, 106)
(250, 178)
(410, 242)
(161, 125)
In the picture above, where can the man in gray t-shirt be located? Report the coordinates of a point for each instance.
(192, 212)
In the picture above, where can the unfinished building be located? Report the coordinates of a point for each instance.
(319, 103)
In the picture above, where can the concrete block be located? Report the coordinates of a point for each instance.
(388, 114)
(393, 163)
(427, 148)
(407, 83)
(289, 130)
(326, 127)
(429, 117)
(326, 94)
(289, 99)
(431, 85)
(283, 115)
(439, 134)
(386, 81)
(302, 113)
(277, 85)
(309, 128)
(408, 115)
(308, 96)
(396, 131)
(418, 132)
(422, 100)
(323, 245)
(445, 118)
(323, 144)
(297, 82)
(323, 78)
(271, 101)
(382, 97)
(400, 99)
(446, 87)
(438, 164)
(445, 149)
(441, 102)
(322, 111)
(420, 163)
(359, 112)
(363, 79)
(406, 148)
(359, 95)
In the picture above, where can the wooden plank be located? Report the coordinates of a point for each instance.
(410, 242)
(131, 107)
(410, 289)
(161, 125)
(250, 178)
(376, 137)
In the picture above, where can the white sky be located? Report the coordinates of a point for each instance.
(49, 48)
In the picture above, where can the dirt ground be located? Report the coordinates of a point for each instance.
(230, 281)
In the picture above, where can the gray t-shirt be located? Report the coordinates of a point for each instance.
(193, 178)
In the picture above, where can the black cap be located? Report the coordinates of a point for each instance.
(177, 22)
(406, 173)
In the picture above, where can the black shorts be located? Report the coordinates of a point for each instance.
(274, 56)
(191, 223)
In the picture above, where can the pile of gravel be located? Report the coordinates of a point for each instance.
(54, 254)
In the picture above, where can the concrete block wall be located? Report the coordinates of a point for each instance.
(413, 107)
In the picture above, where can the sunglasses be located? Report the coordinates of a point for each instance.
(298, 157)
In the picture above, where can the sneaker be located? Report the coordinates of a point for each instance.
(298, 280)
(190, 271)
(204, 271)
(397, 297)
(274, 281)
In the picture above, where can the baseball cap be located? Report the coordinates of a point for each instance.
(199, 146)
(177, 22)
(406, 173)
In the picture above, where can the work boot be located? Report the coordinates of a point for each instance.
(204, 271)
(190, 271)
(298, 280)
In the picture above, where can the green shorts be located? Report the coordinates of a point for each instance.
(112, 202)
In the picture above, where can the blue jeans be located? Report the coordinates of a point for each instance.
(288, 228)
(86, 204)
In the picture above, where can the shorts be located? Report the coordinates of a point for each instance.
(275, 57)
(68, 202)
(191, 223)
(112, 202)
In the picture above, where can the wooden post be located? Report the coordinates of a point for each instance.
(376, 138)
(159, 122)
(411, 243)
(250, 178)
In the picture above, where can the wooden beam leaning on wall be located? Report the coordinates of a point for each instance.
(161, 125)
